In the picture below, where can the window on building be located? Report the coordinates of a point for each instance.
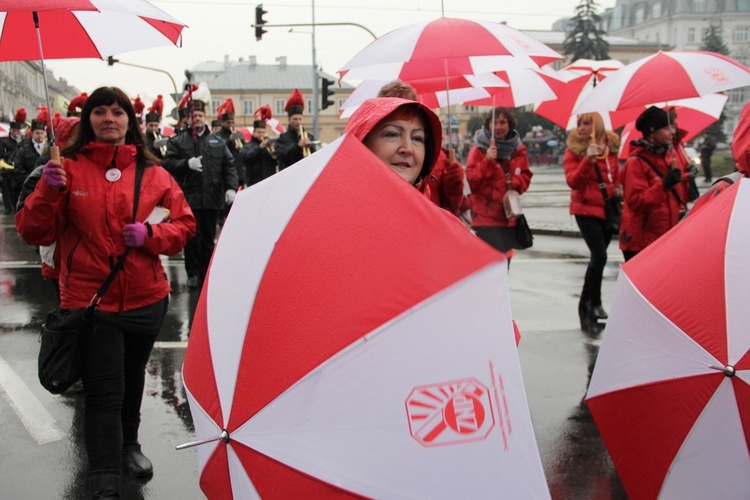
(640, 14)
(340, 103)
(738, 96)
(656, 10)
(743, 5)
(691, 35)
(215, 103)
(470, 109)
(248, 107)
(741, 34)
(704, 33)
(308, 105)
(278, 106)
(699, 5)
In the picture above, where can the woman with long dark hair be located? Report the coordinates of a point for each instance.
(86, 203)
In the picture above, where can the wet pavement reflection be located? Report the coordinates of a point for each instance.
(556, 359)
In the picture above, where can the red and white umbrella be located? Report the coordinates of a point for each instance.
(525, 86)
(4, 129)
(665, 76)
(447, 47)
(670, 392)
(73, 29)
(578, 80)
(693, 116)
(358, 343)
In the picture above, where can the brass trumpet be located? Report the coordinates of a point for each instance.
(305, 150)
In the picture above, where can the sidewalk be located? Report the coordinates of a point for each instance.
(547, 201)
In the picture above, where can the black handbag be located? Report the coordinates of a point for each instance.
(524, 238)
(612, 207)
(59, 361)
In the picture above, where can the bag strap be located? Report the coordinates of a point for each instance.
(139, 170)
(653, 167)
(602, 185)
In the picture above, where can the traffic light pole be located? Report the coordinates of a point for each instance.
(316, 121)
(307, 25)
(111, 61)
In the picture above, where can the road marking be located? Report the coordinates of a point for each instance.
(170, 345)
(32, 413)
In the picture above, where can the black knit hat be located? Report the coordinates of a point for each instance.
(651, 120)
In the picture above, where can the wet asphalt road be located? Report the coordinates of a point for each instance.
(41, 455)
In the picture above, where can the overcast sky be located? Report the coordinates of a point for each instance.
(222, 27)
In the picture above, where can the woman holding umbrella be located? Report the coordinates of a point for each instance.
(497, 164)
(655, 193)
(591, 159)
(90, 205)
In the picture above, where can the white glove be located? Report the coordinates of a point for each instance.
(229, 196)
(195, 164)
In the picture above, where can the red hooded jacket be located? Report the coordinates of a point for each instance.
(87, 218)
(649, 210)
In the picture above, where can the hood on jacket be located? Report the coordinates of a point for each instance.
(578, 144)
(741, 141)
(374, 110)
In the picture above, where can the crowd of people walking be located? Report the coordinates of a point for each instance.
(166, 195)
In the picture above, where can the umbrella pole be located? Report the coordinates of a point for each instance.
(54, 151)
(451, 151)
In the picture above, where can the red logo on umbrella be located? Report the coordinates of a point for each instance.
(716, 74)
(450, 412)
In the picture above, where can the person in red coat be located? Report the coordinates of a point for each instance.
(590, 147)
(496, 164)
(85, 203)
(655, 193)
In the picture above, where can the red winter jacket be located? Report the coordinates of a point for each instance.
(488, 184)
(446, 185)
(649, 210)
(585, 196)
(87, 218)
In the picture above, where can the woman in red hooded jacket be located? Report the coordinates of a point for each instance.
(496, 164)
(656, 194)
(590, 147)
(85, 204)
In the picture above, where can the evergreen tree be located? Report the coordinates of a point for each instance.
(586, 40)
(713, 41)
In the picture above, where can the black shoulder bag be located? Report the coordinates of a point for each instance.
(59, 360)
(612, 207)
(523, 236)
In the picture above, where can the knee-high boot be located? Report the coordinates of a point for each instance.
(105, 485)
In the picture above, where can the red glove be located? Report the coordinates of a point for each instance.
(453, 177)
(135, 234)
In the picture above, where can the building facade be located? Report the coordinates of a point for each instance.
(252, 85)
(681, 25)
(22, 86)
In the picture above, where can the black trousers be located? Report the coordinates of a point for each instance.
(597, 238)
(9, 197)
(199, 249)
(114, 357)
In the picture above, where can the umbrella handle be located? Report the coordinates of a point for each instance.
(224, 436)
(54, 153)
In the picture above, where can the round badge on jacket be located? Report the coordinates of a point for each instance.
(113, 174)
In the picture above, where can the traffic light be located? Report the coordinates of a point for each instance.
(111, 60)
(325, 97)
(259, 21)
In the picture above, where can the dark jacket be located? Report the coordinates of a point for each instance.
(151, 137)
(8, 146)
(203, 190)
(235, 146)
(25, 159)
(287, 150)
(259, 163)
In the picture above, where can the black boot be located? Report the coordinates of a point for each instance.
(588, 321)
(598, 312)
(105, 485)
(136, 463)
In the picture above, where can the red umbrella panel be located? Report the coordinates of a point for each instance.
(447, 47)
(670, 392)
(664, 77)
(693, 116)
(83, 28)
(352, 339)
